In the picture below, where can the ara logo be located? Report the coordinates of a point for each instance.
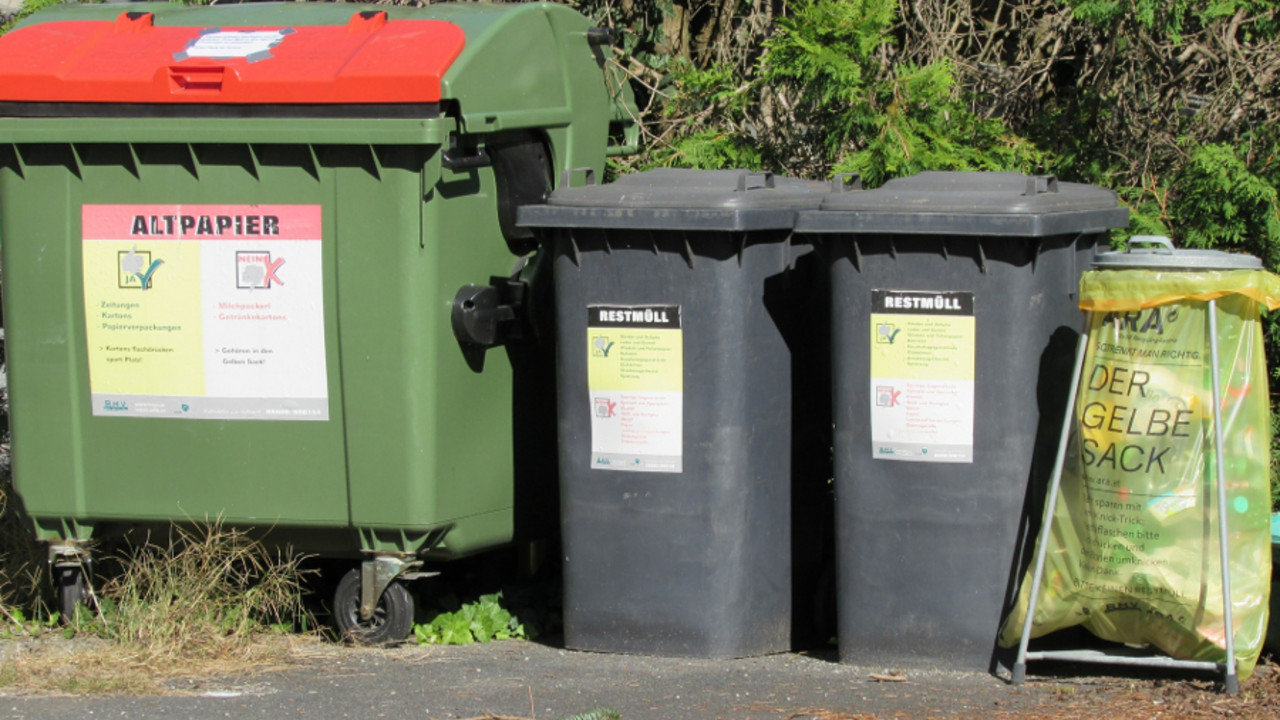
(1142, 321)
(136, 269)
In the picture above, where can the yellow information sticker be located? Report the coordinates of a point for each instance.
(922, 367)
(635, 378)
(210, 312)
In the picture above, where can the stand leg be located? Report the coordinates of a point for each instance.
(1042, 545)
(1232, 682)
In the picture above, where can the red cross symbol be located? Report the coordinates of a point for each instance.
(271, 272)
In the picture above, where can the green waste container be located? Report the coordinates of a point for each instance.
(254, 256)
(677, 308)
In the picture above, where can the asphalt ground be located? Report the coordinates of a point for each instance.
(519, 679)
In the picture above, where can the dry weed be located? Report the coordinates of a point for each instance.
(207, 600)
(205, 594)
(24, 579)
(94, 666)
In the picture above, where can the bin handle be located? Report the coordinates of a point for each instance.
(134, 22)
(1037, 184)
(846, 182)
(1160, 240)
(196, 79)
(745, 178)
(368, 21)
(566, 178)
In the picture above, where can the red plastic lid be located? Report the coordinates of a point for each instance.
(131, 60)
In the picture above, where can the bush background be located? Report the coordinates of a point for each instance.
(1174, 104)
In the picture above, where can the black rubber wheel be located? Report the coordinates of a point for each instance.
(392, 617)
(73, 590)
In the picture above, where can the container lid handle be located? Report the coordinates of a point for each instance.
(1160, 240)
(566, 178)
(846, 182)
(762, 180)
(368, 21)
(1037, 184)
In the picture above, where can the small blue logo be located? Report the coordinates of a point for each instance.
(115, 406)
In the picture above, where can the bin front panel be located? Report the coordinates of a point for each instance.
(928, 551)
(407, 438)
(162, 352)
(696, 562)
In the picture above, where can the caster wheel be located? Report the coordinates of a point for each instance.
(73, 591)
(392, 618)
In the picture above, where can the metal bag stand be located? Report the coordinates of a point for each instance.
(1117, 656)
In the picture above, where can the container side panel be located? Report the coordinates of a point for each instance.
(475, 409)
(429, 439)
(40, 325)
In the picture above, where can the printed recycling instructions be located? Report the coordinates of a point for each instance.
(1134, 551)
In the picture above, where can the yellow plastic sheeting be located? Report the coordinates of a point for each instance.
(1134, 551)
(1121, 290)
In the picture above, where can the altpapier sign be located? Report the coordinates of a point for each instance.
(205, 311)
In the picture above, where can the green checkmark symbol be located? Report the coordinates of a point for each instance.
(146, 277)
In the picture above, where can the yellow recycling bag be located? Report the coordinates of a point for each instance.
(1134, 552)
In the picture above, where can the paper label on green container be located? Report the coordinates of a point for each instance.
(635, 379)
(922, 365)
(205, 311)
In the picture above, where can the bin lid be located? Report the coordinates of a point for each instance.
(679, 199)
(1165, 257)
(970, 203)
(131, 59)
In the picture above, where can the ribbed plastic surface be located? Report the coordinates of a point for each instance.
(683, 546)
(134, 60)
(976, 275)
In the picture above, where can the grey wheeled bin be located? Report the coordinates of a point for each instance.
(674, 372)
(954, 319)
